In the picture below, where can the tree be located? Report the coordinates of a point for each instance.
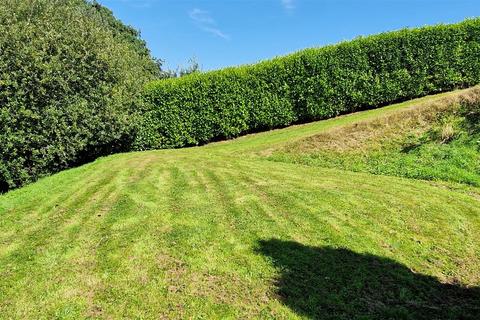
(71, 77)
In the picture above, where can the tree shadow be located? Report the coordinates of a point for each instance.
(331, 283)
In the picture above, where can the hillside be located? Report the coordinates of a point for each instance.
(274, 225)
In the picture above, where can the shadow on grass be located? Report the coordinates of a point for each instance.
(330, 283)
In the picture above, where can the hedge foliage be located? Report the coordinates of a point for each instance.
(312, 84)
(70, 78)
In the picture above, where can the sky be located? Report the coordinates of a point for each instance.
(221, 33)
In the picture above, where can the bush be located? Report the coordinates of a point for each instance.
(310, 85)
(70, 79)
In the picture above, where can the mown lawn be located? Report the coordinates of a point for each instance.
(221, 231)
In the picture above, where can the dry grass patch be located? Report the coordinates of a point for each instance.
(371, 134)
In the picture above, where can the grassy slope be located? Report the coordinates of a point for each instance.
(431, 141)
(221, 232)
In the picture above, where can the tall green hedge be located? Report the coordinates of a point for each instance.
(69, 84)
(312, 84)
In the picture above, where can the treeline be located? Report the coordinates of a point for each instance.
(310, 85)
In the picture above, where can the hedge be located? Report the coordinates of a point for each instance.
(309, 85)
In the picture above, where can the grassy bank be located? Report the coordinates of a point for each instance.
(433, 140)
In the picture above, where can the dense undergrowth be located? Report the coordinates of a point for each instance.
(440, 141)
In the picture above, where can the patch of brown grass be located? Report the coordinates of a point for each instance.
(373, 133)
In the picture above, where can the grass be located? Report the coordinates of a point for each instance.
(436, 140)
(221, 231)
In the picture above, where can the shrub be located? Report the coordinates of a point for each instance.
(70, 79)
(310, 85)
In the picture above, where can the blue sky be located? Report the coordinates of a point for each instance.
(219, 33)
